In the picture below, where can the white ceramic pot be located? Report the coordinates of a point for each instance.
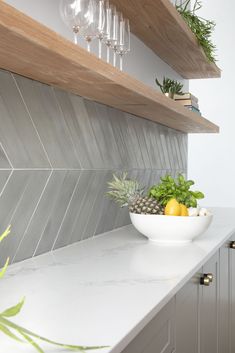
(170, 229)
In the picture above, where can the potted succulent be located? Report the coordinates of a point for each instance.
(167, 213)
(170, 87)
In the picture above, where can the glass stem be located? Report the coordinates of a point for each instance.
(75, 34)
(108, 54)
(88, 39)
(75, 38)
(100, 48)
(121, 62)
(114, 58)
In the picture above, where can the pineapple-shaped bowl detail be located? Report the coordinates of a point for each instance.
(169, 224)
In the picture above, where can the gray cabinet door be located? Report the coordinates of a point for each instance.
(208, 335)
(223, 335)
(232, 297)
(158, 336)
(187, 309)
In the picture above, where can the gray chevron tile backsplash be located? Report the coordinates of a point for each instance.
(57, 153)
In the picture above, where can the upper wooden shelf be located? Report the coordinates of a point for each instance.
(32, 50)
(159, 25)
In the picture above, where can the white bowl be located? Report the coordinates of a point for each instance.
(170, 229)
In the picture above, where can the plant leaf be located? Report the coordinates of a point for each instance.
(2, 272)
(31, 341)
(198, 194)
(7, 332)
(5, 234)
(32, 334)
(14, 310)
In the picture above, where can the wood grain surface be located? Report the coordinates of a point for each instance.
(34, 51)
(158, 24)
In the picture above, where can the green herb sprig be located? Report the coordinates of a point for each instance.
(21, 334)
(178, 189)
(201, 27)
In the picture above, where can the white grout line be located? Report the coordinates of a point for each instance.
(70, 136)
(26, 107)
(57, 193)
(31, 218)
(8, 159)
(89, 169)
(91, 210)
(66, 212)
(19, 202)
(4, 187)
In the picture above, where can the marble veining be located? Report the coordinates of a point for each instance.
(104, 291)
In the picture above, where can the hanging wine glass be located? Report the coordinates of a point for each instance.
(91, 30)
(110, 11)
(75, 15)
(115, 34)
(101, 33)
(123, 46)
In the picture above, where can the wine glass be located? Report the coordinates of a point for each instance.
(110, 11)
(90, 32)
(75, 15)
(101, 30)
(115, 34)
(124, 41)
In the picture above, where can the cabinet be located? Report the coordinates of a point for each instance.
(208, 309)
(187, 314)
(232, 294)
(197, 306)
(201, 316)
(158, 336)
(224, 312)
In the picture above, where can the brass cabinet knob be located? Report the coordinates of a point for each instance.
(205, 281)
(232, 245)
(210, 276)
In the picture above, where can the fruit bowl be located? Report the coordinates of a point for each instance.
(170, 229)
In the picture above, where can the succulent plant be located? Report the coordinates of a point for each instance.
(171, 87)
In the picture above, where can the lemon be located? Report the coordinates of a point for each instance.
(173, 208)
(183, 210)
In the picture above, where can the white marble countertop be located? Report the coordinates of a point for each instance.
(105, 290)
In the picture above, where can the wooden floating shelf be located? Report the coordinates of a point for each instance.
(159, 25)
(34, 51)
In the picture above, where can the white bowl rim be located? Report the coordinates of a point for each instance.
(164, 216)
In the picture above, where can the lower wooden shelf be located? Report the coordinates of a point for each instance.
(34, 51)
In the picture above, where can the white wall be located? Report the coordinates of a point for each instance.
(211, 157)
(142, 63)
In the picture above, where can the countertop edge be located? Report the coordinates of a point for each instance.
(119, 347)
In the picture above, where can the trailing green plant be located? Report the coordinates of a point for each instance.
(201, 27)
(178, 189)
(21, 334)
(170, 86)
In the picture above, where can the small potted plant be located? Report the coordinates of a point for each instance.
(170, 87)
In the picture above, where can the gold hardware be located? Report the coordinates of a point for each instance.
(232, 245)
(205, 281)
(210, 276)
